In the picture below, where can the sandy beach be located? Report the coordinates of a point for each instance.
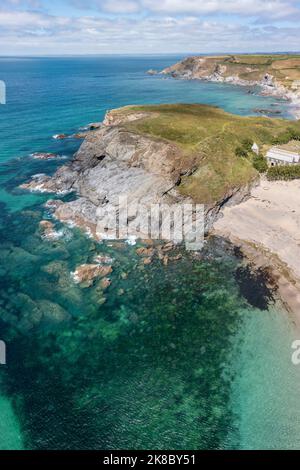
(267, 229)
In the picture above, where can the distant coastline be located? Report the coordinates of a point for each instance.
(276, 74)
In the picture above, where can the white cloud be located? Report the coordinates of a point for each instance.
(255, 8)
(171, 26)
(109, 6)
(271, 8)
(23, 33)
(120, 6)
(20, 4)
(19, 19)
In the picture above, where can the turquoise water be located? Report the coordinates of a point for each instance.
(168, 357)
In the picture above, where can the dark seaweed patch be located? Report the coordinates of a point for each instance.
(256, 286)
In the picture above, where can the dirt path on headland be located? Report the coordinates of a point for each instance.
(267, 229)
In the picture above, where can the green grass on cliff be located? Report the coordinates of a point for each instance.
(285, 68)
(209, 137)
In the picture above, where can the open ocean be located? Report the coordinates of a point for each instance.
(169, 357)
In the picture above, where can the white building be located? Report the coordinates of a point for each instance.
(278, 156)
(255, 148)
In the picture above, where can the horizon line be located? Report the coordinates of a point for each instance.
(140, 54)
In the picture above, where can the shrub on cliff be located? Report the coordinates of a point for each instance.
(295, 135)
(241, 152)
(283, 138)
(283, 173)
(287, 136)
(247, 145)
(245, 149)
(260, 163)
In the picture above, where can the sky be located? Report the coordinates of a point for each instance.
(81, 27)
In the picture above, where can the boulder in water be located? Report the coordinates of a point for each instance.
(87, 273)
(43, 156)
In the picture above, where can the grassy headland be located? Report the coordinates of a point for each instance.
(284, 68)
(211, 138)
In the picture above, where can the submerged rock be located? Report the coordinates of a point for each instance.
(152, 72)
(168, 247)
(47, 227)
(105, 283)
(43, 156)
(149, 252)
(87, 273)
(53, 311)
(103, 259)
(60, 136)
(148, 242)
(165, 260)
(79, 136)
(48, 230)
(53, 204)
(176, 258)
(267, 112)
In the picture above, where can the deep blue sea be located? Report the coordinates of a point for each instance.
(168, 357)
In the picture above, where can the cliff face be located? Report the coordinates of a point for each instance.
(277, 74)
(165, 154)
(114, 162)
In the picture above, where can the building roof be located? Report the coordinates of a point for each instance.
(283, 155)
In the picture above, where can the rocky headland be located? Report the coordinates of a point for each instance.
(172, 154)
(164, 154)
(277, 75)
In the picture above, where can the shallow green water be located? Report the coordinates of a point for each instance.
(11, 437)
(168, 357)
(142, 370)
(265, 390)
(179, 360)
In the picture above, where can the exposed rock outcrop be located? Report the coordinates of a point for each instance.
(87, 273)
(43, 156)
(271, 73)
(114, 162)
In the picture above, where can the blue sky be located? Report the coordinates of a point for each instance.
(54, 27)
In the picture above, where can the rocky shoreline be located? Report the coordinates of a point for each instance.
(201, 68)
(115, 162)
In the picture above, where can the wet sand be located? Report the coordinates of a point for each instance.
(266, 227)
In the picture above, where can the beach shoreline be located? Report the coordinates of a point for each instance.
(265, 228)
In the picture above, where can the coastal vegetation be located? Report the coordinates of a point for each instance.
(218, 143)
(285, 173)
(287, 136)
(260, 163)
